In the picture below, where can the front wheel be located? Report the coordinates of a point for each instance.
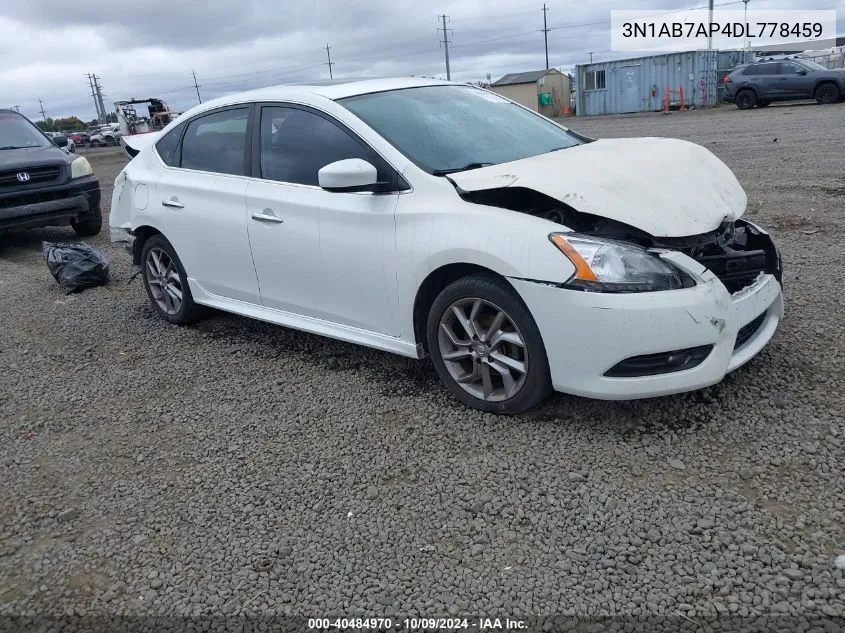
(486, 347)
(166, 282)
(827, 93)
(91, 225)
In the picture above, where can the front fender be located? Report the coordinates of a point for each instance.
(508, 243)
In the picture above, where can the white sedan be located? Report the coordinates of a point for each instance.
(436, 219)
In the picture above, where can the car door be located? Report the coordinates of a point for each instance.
(328, 255)
(201, 197)
(763, 78)
(794, 81)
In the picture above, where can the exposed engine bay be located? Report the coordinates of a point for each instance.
(736, 252)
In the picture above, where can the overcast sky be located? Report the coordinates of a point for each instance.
(149, 48)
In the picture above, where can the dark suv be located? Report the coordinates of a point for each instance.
(762, 82)
(41, 185)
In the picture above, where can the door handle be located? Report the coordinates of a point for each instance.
(267, 216)
(173, 203)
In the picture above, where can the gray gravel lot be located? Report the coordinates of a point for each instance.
(234, 467)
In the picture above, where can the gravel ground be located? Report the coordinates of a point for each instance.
(234, 467)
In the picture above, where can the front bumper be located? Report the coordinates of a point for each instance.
(585, 334)
(50, 206)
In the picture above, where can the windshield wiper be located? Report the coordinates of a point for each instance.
(443, 172)
(13, 147)
(557, 149)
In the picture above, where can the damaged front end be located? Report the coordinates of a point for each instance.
(737, 252)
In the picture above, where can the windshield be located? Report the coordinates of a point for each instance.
(811, 64)
(445, 129)
(16, 133)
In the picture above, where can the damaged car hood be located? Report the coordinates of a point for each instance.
(665, 187)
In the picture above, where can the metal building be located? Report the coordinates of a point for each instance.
(639, 84)
(544, 91)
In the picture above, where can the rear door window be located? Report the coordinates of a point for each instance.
(216, 142)
(762, 69)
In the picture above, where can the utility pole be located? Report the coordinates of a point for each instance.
(546, 35)
(329, 63)
(591, 57)
(745, 21)
(43, 114)
(17, 108)
(99, 91)
(709, 21)
(94, 96)
(194, 73)
(445, 42)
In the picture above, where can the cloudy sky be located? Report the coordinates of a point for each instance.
(149, 48)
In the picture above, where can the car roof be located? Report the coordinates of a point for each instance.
(330, 89)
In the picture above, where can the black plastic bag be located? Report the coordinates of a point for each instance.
(75, 265)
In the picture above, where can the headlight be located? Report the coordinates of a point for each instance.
(80, 167)
(610, 266)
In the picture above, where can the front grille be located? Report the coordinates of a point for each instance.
(737, 253)
(662, 363)
(38, 176)
(738, 269)
(749, 330)
(35, 197)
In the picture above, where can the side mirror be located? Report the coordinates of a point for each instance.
(802, 72)
(60, 141)
(351, 174)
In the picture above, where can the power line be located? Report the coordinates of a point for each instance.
(546, 35)
(196, 85)
(445, 42)
(329, 63)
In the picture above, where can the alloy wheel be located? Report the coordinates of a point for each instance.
(163, 280)
(827, 94)
(745, 100)
(482, 349)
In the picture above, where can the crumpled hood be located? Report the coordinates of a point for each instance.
(665, 187)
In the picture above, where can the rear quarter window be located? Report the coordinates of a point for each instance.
(167, 146)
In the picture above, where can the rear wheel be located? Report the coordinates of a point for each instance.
(827, 93)
(745, 99)
(166, 282)
(94, 143)
(91, 225)
(486, 347)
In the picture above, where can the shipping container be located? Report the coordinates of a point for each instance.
(639, 84)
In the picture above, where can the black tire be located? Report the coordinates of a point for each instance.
(94, 144)
(745, 99)
(496, 293)
(763, 104)
(827, 94)
(188, 311)
(91, 225)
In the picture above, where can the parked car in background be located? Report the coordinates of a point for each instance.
(79, 138)
(105, 135)
(429, 218)
(42, 185)
(763, 82)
